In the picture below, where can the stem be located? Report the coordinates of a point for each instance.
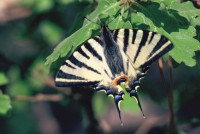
(172, 126)
(38, 98)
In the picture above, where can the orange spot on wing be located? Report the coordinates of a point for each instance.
(124, 76)
(115, 81)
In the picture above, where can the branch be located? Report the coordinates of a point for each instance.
(38, 98)
(50, 82)
(172, 126)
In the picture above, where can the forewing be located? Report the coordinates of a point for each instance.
(84, 67)
(141, 46)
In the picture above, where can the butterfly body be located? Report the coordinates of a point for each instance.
(113, 60)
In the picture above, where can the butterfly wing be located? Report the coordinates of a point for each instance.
(89, 65)
(84, 67)
(141, 46)
(142, 49)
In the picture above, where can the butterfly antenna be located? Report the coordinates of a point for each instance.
(91, 21)
(113, 19)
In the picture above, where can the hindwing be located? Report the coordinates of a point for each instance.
(141, 46)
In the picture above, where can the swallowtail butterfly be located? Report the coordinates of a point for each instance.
(112, 61)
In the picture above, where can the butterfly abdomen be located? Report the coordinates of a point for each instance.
(112, 52)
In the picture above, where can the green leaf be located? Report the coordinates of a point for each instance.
(76, 39)
(187, 10)
(173, 22)
(5, 104)
(18, 87)
(52, 33)
(185, 46)
(3, 79)
(100, 103)
(38, 5)
(129, 104)
(71, 42)
(66, 2)
(38, 74)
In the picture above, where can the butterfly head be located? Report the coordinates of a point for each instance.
(105, 29)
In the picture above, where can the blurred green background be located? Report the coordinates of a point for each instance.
(29, 31)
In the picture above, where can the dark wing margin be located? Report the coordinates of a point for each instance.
(83, 67)
(141, 46)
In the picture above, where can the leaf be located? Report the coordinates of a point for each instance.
(187, 10)
(66, 2)
(129, 104)
(18, 87)
(101, 102)
(76, 39)
(5, 104)
(38, 5)
(38, 74)
(70, 43)
(185, 46)
(3, 79)
(173, 23)
(51, 32)
(169, 18)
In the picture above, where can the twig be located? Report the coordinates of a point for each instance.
(50, 82)
(38, 98)
(160, 65)
(172, 126)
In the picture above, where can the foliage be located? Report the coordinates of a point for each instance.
(3, 79)
(5, 104)
(25, 44)
(175, 20)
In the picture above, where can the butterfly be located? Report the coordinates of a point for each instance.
(113, 62)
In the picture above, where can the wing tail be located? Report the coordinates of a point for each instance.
(118, 97)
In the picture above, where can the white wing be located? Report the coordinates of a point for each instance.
(85, 67)
(141, 46)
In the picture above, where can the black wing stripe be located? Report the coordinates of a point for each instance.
(157, 56)
(98, 40)
(107, 73)
(126, 38)
(93, 51)
(83, 53)
(151, 38)
(64, 75)
(81, 64)
(134, 36)
(161, 42)
(127, 64)
(68, 65)
(69, 84)
(142, 43)
(116, 34)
